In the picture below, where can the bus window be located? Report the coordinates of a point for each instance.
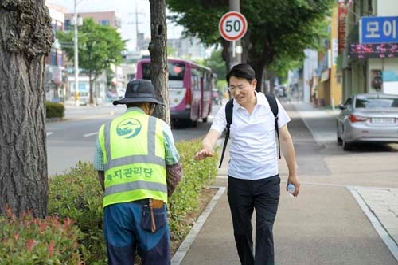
(195, 79)
(176, 71)
(146, 71)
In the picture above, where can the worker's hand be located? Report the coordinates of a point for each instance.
(202, 154)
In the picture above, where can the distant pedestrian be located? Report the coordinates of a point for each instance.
(253, 177)
(138, 168)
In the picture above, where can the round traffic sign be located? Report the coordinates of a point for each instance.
(232, 26)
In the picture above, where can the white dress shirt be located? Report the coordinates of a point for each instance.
(252, 143)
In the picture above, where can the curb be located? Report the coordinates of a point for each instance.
(383, 233)
(190, 238)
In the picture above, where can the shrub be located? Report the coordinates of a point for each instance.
(78, 195)
(54, 110)
(197, 175)
(28, 240)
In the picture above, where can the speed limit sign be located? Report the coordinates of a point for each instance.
(232, 26)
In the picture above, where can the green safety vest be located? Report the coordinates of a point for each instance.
(134, 158)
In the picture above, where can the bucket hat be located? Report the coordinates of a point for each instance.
(139, 91)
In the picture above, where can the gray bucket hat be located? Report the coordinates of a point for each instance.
(139, 91)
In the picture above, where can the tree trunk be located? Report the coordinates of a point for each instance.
(158, 53)
(258, 67)
(26, 37)
(90, 89)
(245, 42)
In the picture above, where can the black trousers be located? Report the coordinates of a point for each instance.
(243, 197)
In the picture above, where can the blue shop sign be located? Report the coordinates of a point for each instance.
(378, 30)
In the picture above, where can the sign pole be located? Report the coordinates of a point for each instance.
(234, 5)
(233, 26)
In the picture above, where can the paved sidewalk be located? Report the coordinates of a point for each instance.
(379, 204)
(315, 229)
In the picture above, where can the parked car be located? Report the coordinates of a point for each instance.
(368, 117)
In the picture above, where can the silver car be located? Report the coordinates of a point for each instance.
(368, 117)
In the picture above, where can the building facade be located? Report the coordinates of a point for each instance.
(371, 47)
(55, 76)
(329, 88)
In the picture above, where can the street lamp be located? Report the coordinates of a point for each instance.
(77, 21)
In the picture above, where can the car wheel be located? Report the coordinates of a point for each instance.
(346, 146)
(339, 140)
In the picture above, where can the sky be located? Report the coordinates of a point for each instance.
(127, 12)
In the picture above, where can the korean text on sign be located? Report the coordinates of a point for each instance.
(378, 30)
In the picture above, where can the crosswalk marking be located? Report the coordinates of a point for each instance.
(84, 135)
(90, 134)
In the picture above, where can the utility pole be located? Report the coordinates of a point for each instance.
(77, 20)
(136, 22)
(235, 57)
(137, 36)
(76, 57)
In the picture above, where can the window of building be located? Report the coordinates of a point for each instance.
(53, 58)
(60, 59)
(104, 22)
(67, 24)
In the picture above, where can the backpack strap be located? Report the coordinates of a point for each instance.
(275, 110)
(228, 116)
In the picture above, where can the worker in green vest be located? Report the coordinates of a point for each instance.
(134, 152)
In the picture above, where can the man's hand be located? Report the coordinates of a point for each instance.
(207, 145)
(202, 154)
(293, 180)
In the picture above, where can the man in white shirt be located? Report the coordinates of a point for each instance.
(253, 176)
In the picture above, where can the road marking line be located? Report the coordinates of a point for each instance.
(49, 133)
(384, 235)
(90, 134)
(186, 244)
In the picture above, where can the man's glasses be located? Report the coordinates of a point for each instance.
(235, 88)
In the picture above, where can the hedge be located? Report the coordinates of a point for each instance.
(54, 110)
(76, 197)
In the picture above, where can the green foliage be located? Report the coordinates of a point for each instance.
(78, 195)
(197, 175)
(217, 64)
(197, 19)
(278, 29)
(28, 240)
(54, 110)
(98, 47)
(171, 51)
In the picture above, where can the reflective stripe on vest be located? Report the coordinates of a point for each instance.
(149, 168)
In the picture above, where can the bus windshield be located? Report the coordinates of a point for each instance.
(176, 71)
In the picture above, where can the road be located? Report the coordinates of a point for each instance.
(73, 139)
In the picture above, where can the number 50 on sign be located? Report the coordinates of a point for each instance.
(232, 26)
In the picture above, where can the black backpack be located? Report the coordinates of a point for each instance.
(228, 115)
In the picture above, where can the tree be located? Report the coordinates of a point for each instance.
(26, 38)
(99, 46)
(277, 28)
(171, 51)
(158, 53)
(216, 63)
